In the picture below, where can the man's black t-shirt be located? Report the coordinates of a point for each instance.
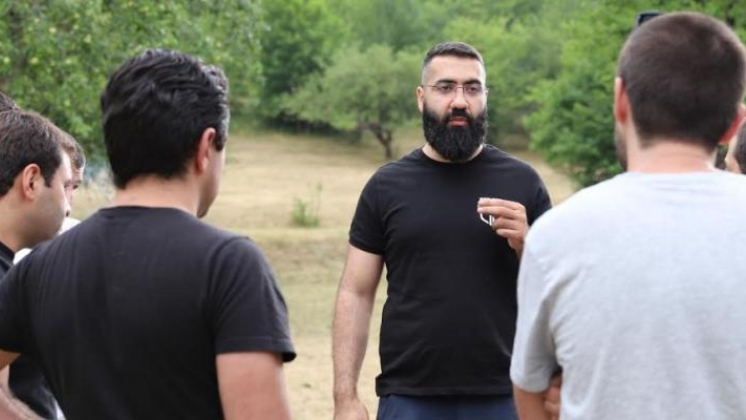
(26, 380)
(127, 312)
(449, 319)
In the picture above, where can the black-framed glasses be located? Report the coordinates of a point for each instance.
(447, 89)
(643, 17)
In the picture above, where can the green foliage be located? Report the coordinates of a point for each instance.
(573, 126)
(306, 213)
(516, 56)
(361, 89)
(298, 38)
(55, 57)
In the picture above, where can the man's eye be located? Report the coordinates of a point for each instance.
(473, 89)
(444, 88)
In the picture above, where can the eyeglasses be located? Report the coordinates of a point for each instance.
(644, 17)
(447, 89)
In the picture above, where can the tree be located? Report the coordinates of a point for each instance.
(372, 89)
(55, 57)
(573, 124)
(298, 38)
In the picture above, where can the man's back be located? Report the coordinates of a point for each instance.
(129, 310)
(639, 292)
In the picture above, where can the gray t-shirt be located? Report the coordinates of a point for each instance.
(636, 288)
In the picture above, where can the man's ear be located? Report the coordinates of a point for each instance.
(621, 102)
(205, 149)
(420, 92)
(31, 180)
(735, 125)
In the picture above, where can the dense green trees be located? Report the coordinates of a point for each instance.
(55, 56)
(347, 64)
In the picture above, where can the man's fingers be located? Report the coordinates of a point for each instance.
(503, 212)
(508, 224)
(500, 203)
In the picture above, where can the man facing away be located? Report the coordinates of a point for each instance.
(634, 287)
(35, 180)
(165, 317)
(735, 159)
(449, 318)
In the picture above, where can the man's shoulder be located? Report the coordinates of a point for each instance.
(580, 209)
(497, 157)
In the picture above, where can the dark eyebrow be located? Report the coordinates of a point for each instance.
(468, 82)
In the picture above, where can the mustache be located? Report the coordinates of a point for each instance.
(458, 113)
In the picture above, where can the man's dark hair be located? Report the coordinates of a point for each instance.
(453, 49)
(155, 108)
(75, 151)
(28, 138)
(685, 75)
(6, 103)
(740, 152)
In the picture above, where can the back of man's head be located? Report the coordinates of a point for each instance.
(28, 138)
(6, 103)
(155, 108)
(685, 75)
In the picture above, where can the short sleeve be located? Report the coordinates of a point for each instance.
(247, 309)
(541, 202)
(533, 362)
(11, 312)
(366, 232)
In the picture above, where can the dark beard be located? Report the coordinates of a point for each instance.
(455, 144)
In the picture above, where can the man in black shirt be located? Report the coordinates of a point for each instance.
(143, 311)
(35, 182)
(449, 318)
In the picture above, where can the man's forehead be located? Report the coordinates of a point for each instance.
(450, 67)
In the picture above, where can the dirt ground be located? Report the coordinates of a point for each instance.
(264, 176)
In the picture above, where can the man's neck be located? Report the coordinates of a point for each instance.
(671, 157)
(11, 224)
(434, 155)
(153, 191)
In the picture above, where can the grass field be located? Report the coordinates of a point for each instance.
(264, 174)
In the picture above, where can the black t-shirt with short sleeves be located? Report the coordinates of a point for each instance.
(26, 380)
(449, 317)
(126, 313)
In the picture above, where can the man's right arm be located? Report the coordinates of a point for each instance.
(355, 298)
(10, 407)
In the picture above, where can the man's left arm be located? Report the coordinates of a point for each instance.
(530, 405)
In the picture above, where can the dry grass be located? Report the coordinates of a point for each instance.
(263, 175)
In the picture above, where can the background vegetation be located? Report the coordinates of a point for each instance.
(320, 90)
(342, 67)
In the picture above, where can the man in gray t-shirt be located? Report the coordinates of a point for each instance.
(633, 287)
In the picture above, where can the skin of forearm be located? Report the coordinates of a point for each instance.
(350, 339)
(13, 409)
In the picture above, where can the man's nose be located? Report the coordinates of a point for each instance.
(459, 100)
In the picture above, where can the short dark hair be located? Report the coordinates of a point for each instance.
(454, 49)
(6, 103)
(685, 75)
(740, 152)
(75, 151)
(28, 138)
(155, 108)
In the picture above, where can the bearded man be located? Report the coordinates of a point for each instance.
(449, 318)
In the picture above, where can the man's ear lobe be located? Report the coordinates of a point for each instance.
(735, 125)
(621, 101)
(205, 148)
(31, 180)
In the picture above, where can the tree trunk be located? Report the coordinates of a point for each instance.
(383, 135)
